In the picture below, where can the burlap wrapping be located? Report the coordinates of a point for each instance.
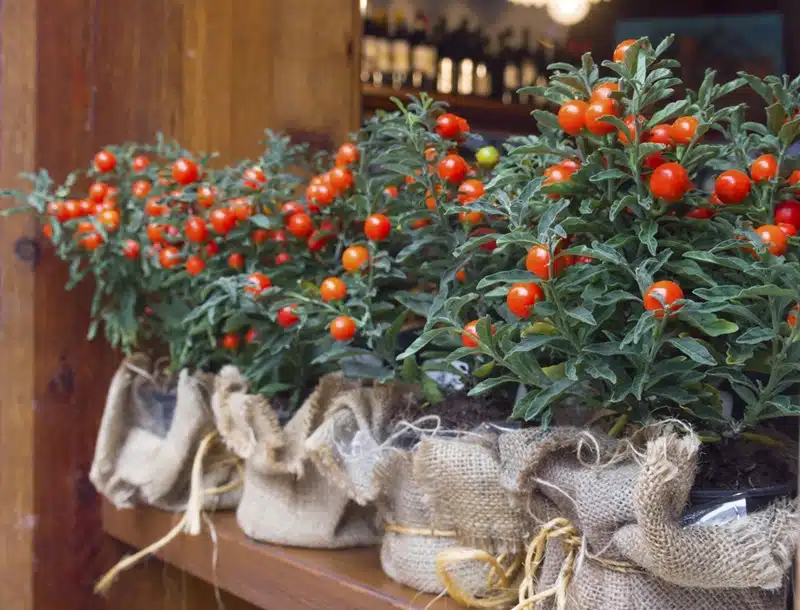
(285, 499)
(438, 496)
(144, 456)
(626, 510)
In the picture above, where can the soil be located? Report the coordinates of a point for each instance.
(461, 412)
(741, 464)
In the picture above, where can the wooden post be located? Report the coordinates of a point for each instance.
(76, 75)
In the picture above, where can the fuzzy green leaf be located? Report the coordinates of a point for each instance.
(756, 335)
(694, 349)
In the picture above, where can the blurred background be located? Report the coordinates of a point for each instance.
(476, 54)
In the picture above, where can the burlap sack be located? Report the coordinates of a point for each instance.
(144, 454)
(605, 557)
(285, 499)
(447, 521)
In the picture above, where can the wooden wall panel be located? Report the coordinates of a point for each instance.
(77, 75)
(17, 137)
(315, 52)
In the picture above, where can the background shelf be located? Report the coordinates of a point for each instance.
(484, 115)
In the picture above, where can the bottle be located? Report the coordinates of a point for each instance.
(465, 56)
(483, 67)
(497, 63)
(510, 71)
(544, 56)
(401, 51)
(383, 56)
(369, 49)
(445, 72)
(527, 66)
(423, 55)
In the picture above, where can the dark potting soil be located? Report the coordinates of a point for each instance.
(742, 464)
(461, 412)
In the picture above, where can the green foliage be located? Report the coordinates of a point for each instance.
(451, 258)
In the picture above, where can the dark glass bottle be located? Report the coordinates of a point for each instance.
(545, 55)
(469, 51)
(483, 67)
(382, 75)
(401, 51)
(528, 70)
(369, 49)
(445, 70)
(497, 63)
(423, 55)
(511, 78)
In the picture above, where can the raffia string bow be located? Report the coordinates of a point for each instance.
(573, 543)
(190, 521)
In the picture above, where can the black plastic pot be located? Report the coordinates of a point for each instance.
(159, 410)
(704, 502)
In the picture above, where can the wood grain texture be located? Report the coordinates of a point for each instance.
(17, 358)
(272, 577)
(77, 75)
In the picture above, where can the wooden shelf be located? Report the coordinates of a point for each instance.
(484, 115)
(267, 576)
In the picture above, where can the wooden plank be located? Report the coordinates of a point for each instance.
(314, 61)
(17, 358)
(268, 576)
(77, 75)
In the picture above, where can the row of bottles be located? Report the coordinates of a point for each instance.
(461, 61)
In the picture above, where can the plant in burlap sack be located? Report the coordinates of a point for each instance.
(448, 523)
(115, 222)
(285, 498)
(648, 291)
(619, 541)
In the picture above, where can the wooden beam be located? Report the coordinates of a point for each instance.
(17, 358)
(78, 75)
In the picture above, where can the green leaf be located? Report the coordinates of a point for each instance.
(549, 217)
(670, 111)
(484, 370)
(532, 342)
(647, 235)
(758, 86)
(694, 349)
(706, 88)
(724, 294)
(708, 323)
(411, 371)
(431, 391)
(608, 174)
(615, 296)
(598, 369)
(266, 222)
(363, 369)
(776, 117)
(618, 123)
(664, 45)
(534, 406)
(489, 384)
(612, 348)
(423, 340)
(788, 133)
(418, 302)
(546, 119)
(756, 335)
(454, 305)
(582, 314)
(506, 277)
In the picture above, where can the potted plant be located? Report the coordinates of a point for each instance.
(652, 296)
